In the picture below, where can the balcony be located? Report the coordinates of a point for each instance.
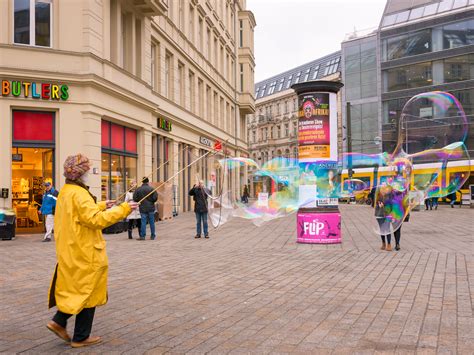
(151, 7)
(246, 103)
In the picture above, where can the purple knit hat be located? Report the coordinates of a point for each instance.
(75, 166)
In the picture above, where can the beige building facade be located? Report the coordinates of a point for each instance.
(273, 129)
(142, 87)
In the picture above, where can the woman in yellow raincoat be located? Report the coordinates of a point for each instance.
(80, 279)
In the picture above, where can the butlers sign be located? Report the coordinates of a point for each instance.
(35, 90)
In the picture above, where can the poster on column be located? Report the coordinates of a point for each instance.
(316, 127)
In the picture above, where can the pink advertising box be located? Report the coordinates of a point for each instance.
(319, 227)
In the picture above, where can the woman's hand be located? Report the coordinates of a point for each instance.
(110, 203)
(133, 205)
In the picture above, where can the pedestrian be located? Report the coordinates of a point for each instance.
(48, 208)
(434, 202)
(245, 195)
(79, 282)
(133, 218)
(382, 211)
(428, 205)
(452, 197)
(200, 194)
(147, 207)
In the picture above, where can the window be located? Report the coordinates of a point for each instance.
(287, 130)
(278, 109)
(458, 34)
(459, 68)
(181, 15)
(191, 92)
(407, 45)
(271, 89)
(208, 104)
(216, 52)
(191, 24)
(262, 92)
(306, 74)
(119, 159)
(288, 83)
(153, 66)
(242, 79)
(200, 35)
(208, 43)
(408, 77)
(295, 105)
(180, 84)
(32, 22)
(221, 63)
(201, 98)
(280, 85)
(168, 76)
(315, 72)
(241, 33)
(256, 92)
(286, 106)
(278, 132)
(297, 79)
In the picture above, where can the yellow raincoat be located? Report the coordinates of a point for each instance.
(80, 277)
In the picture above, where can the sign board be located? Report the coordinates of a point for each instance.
(35, 90)
(306, 196)
(4, 193)
(262, 199)
(426, 112)
(17, 157)
(317, 127)
(163, 124)
(205, 141)
(319, 228)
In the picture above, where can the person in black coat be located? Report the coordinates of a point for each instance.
(200, 194)
(147, 207)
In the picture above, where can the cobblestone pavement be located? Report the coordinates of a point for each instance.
(254, 290)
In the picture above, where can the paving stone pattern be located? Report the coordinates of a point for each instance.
(254, 290)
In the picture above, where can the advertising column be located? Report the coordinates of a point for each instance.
(318, 218)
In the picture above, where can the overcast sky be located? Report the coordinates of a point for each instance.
(293, 32)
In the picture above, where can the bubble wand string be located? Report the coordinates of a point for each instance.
(196, 160)
(156, 170)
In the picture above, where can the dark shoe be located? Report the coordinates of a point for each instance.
(140, 238)
(130, 235)
(206, 236)
(197, 236)
(152, 238)
(87, 342)
(452, 206)
(397, 247)
(59, 331)
(47, 240)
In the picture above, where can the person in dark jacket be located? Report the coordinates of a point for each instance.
(245, 195)
(200, 194)
(147, 207)
(48, 208)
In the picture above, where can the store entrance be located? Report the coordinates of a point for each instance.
(31, 168)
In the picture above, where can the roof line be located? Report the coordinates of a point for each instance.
(295, 68)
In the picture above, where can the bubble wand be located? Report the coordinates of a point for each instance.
(156, 170)
(187, 166)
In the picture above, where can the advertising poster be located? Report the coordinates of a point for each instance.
(314, 127)
(319, 228)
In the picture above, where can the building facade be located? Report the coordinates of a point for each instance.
(141, 87)
(273, 129)
(419, 46)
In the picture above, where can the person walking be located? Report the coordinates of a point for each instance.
(382, 211)
(79, 282)
(200, 194)
(147, 208)
(434, 202)
(245, 195)
(47, 209)
(133, 218)
(452, 197)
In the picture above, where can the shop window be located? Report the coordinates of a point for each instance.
(32, 21)
(407, 45)
(458, 34)
(31, 126)
(119, 159)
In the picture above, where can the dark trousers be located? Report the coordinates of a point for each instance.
(131, 224)
(83, 326)
(397, 235)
